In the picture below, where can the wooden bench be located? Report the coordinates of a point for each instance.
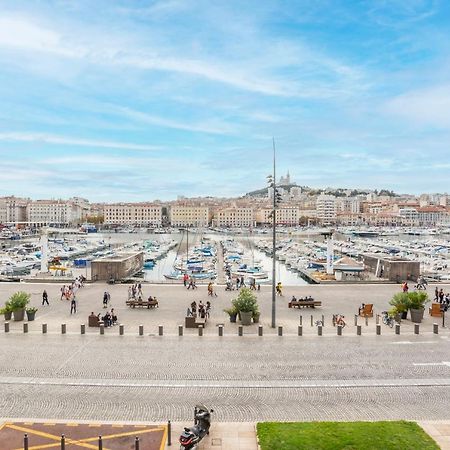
(146, 303)
(94, 321)
(194, 322)
(435, 310)
(304, 304)
(367, 311)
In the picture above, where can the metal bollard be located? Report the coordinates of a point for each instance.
(63, 442)
(63, 328)
(200, 330)
(319, 330)
(240, 330)
(377, 318)
(358, 330)
(136, 443)
(102, 329)
(160, 330)
(6, 327)
(83, 328)
(323, 320)
(301, 320)
(435, 328)
(280, 331)
(260, 330)
(141, 330)
(25, 327)
(312, 320)
(220, 330)
(121, 329)
(169, 433)
(367, 321)
(378, 328)
(416, 328)
(44, 328)
(100, 443)
(300, 330)
(397, 328)
(25, 442)
(180, 330)
(339, 330)
(356, 320)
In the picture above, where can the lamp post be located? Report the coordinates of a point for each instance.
(276, 199)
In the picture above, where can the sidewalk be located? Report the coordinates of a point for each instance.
(223, 436)
(439, 430)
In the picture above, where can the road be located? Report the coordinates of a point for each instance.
(246, 378)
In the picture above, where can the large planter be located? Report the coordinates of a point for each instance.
(256, 318)
(233, 318)
(19, 314)
(8, 315)
(31, 316)
(417, 315)
(404, 314)
(246, 318)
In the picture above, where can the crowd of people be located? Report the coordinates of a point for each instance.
(442, 298)
(109, 319)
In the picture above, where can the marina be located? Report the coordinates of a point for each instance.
(311, 255)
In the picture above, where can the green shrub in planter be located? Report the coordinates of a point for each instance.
(400, 302)
(246, 304)
(17, 303)
(417, 302)
(232, 312)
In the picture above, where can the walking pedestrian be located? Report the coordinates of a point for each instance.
(185, 279)
(436, 294)
(279, 289)
(45, 298)
(73, 306)
(105, 300)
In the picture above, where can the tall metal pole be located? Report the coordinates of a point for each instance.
(274, 225)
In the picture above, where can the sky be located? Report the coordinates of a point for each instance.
(136, 100)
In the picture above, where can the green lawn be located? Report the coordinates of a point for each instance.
(399, 435)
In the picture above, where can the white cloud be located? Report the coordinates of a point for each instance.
(66, 140)
(430, 106)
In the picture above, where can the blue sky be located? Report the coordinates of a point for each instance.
(139, 100)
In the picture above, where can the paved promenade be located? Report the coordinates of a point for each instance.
(248, 378)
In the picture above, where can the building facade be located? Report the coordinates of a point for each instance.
(189, 216)
(143, 214)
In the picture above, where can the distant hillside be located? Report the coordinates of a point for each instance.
(338, 192)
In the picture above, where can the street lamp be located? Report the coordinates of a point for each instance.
(271, 180)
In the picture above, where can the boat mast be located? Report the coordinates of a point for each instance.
(187, 248)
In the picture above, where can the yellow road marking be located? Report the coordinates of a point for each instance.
(3, 424)
(49, 424)
(71, 424)
(51, 436)
(163, 442)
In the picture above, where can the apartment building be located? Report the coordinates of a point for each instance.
(326, 208)
(287, 215)
(60, 212)
(13, 210)
(189, 215)
(146, 214)
(234, 217)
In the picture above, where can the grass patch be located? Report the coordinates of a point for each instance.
(400, 435)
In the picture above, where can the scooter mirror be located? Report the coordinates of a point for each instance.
(212, 410)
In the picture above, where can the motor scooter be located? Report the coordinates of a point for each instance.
(191, 437)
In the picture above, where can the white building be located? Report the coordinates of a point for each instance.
(326, 208)
(147, 214)
(348, 205)
(59, 212)
(13, 210)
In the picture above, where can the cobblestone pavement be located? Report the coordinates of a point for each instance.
(249, 378)
(243, 378)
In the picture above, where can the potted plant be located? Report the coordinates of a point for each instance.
(31, 313)
(18, 302)
(232, 312)
(395, 314)
(6, 311)
(417, 301)
(256, 315)
(246, 304)
(400, 302)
